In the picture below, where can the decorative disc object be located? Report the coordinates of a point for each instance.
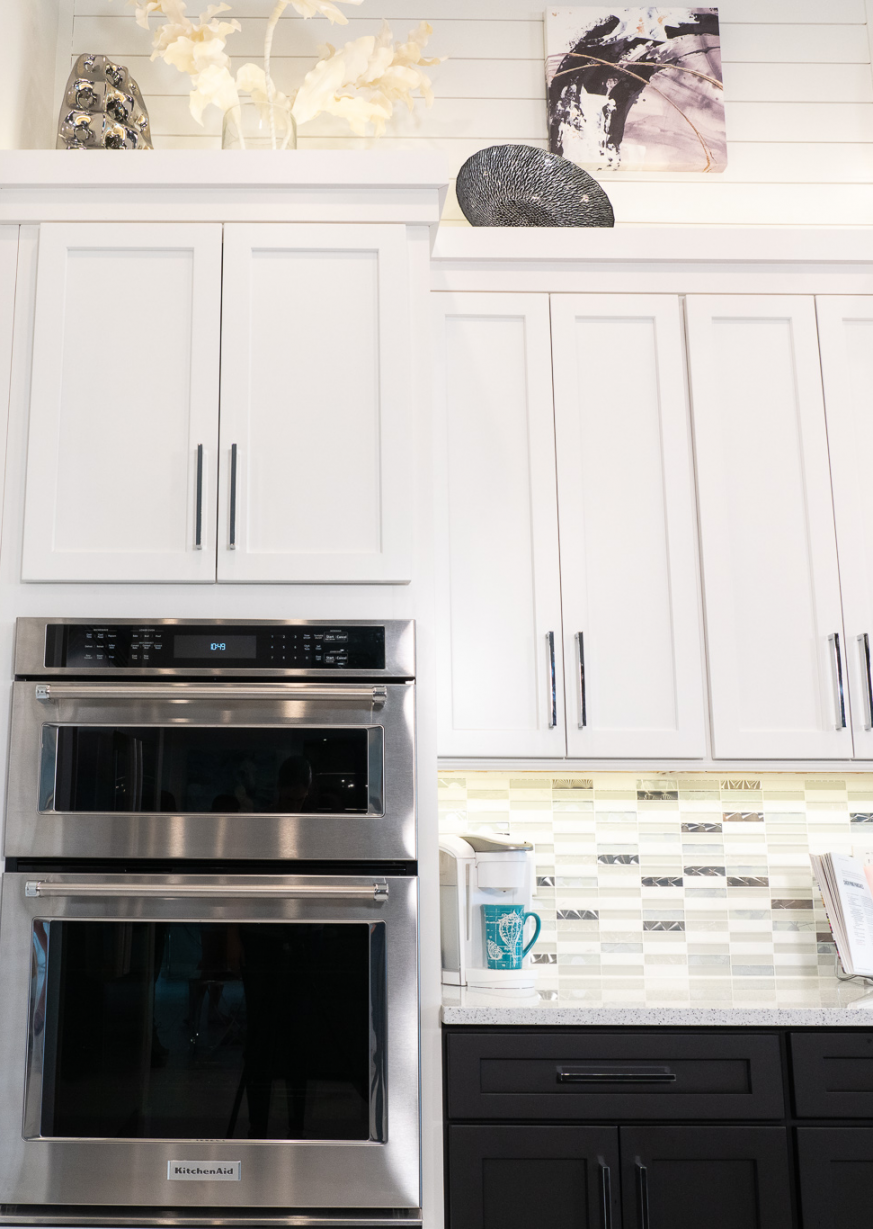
(517, 185)
(102, 108)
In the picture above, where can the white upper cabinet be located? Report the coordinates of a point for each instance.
(316, 420)
(498, 583)
(122, 460)
(772, 595)
(8, 270)
(632, 651)
(846, 342)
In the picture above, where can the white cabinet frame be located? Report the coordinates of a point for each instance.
(845, 329)
(624, 453)
(770, 575)
(389, 497)
(111, 339)
(498, 593)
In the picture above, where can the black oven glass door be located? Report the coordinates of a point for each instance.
(265, 1023)
(190, 769)
(206, 1030)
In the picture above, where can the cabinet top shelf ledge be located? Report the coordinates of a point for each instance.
(221, 185)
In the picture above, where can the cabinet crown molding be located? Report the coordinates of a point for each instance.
(655, 259)
(220, 185)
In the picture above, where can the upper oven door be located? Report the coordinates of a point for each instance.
(212, 770)
(204, 1041)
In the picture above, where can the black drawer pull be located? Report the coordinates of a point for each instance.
(623, 1074)
(643, 1195)
(606, 1195)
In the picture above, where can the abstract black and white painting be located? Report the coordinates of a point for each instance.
(636, 89)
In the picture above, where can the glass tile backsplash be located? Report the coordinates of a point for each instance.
(688, 885)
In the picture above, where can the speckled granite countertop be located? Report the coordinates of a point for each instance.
(824, 1004)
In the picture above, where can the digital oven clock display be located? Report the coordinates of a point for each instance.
(219, 646)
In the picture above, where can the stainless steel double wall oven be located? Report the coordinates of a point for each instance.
(208, 932)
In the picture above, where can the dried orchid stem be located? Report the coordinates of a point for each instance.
(273, 21)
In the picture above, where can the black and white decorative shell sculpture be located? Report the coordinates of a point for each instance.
(517, 185)
(102, 108)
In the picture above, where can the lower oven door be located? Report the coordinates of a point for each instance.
(209, 1041)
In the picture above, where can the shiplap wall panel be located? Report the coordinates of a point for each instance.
(785, 12)
(516, 79)
(798, 85)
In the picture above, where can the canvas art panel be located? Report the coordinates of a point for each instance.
(636, 89)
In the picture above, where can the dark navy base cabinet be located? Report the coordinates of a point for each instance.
(658, 1129)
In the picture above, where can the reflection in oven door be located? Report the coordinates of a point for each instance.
(265, 1023)
(208, 1030)
(185, 770)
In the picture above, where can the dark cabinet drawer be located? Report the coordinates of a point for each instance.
(836, 1176)
(613, 1076)
(833, 1074)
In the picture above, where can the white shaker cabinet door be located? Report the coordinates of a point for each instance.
(121, 460)
(8, 272)
(498, 583)
(316, 418)
(845, 326)
(772, 596)
(632, 637)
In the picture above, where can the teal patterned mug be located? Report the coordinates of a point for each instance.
(504, 935)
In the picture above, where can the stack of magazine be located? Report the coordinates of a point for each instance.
(847, 891)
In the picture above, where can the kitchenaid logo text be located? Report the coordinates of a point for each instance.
(204, 1171)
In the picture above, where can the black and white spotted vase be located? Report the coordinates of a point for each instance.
(517, 185)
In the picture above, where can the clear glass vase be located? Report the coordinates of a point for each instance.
(249, 126)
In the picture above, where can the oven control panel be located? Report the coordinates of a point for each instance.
(272, 646)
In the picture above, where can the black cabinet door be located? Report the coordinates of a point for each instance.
(705, 1178)
(836, 1176)
(502, 1177)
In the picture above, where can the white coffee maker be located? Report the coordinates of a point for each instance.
(478, 870)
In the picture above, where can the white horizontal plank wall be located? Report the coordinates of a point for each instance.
(797, 76)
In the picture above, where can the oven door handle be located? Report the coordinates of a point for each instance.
(47, 692)
(370, 891)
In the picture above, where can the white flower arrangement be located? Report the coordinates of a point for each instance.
(361, 82)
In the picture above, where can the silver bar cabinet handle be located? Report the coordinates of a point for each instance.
(172, 891)
(864, 642)
(198, 514)
(606, 1195)
(580, 661)
(643, 1195)
(233, 465)
(839, 695)
(53, 692)
(553, 681)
